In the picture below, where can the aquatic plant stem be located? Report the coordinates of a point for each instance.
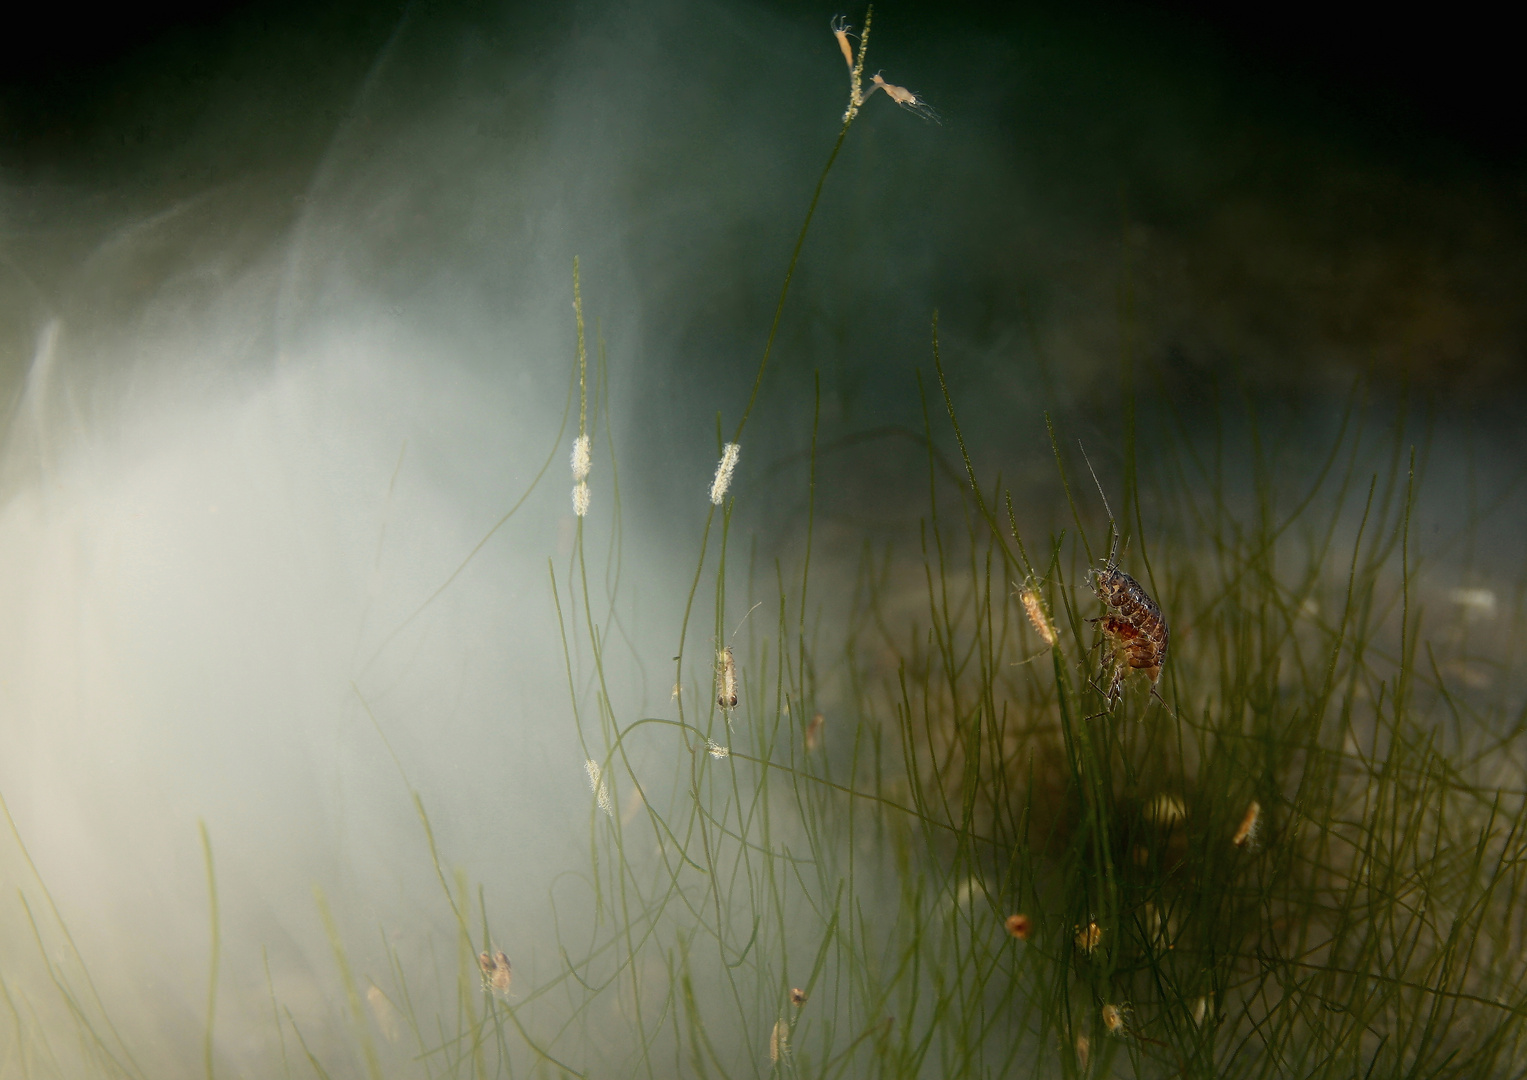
(206, 847)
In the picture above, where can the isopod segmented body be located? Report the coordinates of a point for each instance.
(1134, 626)
(726, 664)
(726, 679)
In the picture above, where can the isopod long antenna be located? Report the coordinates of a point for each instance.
(738, 629)
(1113, 528)
(726, 670)
(744, 619)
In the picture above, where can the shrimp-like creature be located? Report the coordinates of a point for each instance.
(842, 31)
(496, 973)
(905, 98)
(1133, 623)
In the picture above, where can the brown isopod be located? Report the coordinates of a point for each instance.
(496, 972)
(1134, 626)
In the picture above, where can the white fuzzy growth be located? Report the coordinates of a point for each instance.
(1476, 603)
(599, 786)
(581, 498)
(724, 468)
(716, 750)
(856, 93)
(581, 459)
(779, 1041)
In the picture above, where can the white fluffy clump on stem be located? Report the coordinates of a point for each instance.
(724, 468)
(581, 458)
(581, 499)
(856, 70)
(600, 786)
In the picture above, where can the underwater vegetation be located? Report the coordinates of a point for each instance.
(1231, 784)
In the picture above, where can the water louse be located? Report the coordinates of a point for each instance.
(726, 678)
(496, 972)
(1133, 625)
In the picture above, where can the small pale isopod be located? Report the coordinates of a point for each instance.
(1034, 607)
(726, 669)
(726, 678)
(1247, 833)
(384, 1012)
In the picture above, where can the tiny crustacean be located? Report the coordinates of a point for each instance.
(842, 31)
(726, 679)
(496, 973)
(905, 98)
(726, 671)
(1133, 625)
